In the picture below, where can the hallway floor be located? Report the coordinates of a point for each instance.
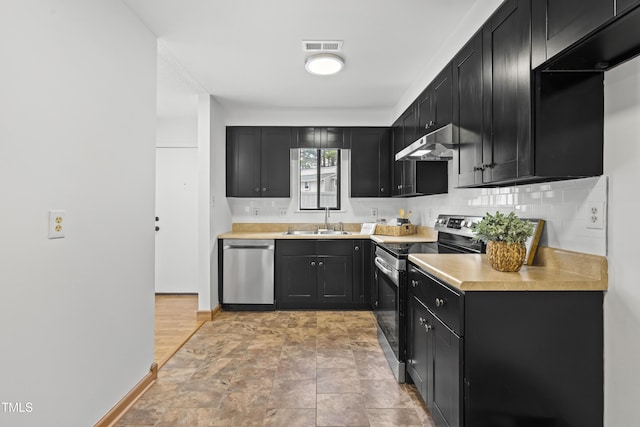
(293, 369)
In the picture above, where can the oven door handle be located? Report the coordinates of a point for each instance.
(385, 269)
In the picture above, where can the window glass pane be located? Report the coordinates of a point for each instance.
(329, 178)
(308, 179)
(325, 165)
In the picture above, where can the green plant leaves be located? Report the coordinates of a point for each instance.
(503, 228)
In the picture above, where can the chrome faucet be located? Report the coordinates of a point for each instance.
(326, 218)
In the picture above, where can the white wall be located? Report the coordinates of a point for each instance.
(177, 131)
(220, 215)
(622, 302)
(77, 120)
(214, 216)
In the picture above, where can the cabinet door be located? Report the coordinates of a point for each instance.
(398, 170)
(444, 374)
(409, 126)
(308, 137)
(622, 5)
(425, 109)
(275, 164)
(564, 22)
(507, 147)
(358, 280)
(442, 99)
(332, 138)
(335, 275)
(243, 162)
(418, 345)
(298, 281)
(370, 162)
(467, 111)
(408, 177)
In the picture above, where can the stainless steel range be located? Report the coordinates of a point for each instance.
(454, 236)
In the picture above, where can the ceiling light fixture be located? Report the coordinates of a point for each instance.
(324, 64)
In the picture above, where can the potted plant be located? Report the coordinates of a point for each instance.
(505, 236)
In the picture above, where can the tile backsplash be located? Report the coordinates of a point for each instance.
(562, 204)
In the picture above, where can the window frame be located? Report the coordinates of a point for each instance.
(318, 176)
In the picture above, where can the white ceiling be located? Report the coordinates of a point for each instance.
(248, 53)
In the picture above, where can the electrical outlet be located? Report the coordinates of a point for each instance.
(374, 212)
(57, 224)
(256, 211)
(283, 212)
(595, 215)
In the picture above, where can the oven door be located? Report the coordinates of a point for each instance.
(390, 315)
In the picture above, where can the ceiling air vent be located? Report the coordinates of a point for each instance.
(322, 46)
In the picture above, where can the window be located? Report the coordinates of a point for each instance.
(319, 178)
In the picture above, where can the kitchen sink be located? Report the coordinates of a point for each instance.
(315, 233)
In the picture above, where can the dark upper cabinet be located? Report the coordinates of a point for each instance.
(409, 123)
(434, 107)
(398, 167)
(258, 162)
(370, 162)
(467, 111)
(515, 126)
(557, 24)
(321, 137)
(507, 145)
(275, 166)
(243, 162)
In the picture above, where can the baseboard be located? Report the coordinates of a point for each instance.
(207, 315)
(129, 399)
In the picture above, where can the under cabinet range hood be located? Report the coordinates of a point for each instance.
(437, 145)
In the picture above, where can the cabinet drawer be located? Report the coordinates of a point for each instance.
(441, 300)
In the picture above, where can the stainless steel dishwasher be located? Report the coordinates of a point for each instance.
(248, 274)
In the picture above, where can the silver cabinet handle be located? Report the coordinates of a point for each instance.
(414, 283)
(382, 189)
(427, 327)
(264, 189)
(357, 248)
(257, 190)
(313, 263)
(439, 302)
(422, 320)
(320, 263)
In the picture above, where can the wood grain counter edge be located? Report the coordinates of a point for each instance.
(553, 270)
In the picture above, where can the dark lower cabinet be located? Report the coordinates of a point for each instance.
(444, 362)
(317, 274)
(418, 346)
(298, 280)
(519, 358)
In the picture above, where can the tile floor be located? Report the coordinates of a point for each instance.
(283, 368)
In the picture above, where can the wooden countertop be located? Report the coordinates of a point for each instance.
(276, 231)
(555, 270)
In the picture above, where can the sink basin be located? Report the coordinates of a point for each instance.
(299, 232)
(315, 233)
(333, 232)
